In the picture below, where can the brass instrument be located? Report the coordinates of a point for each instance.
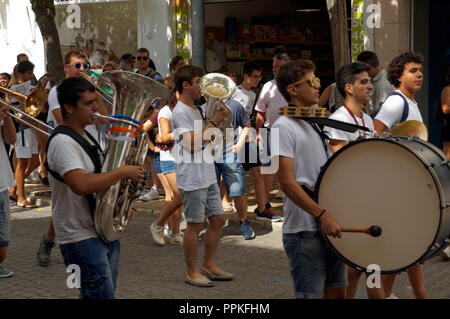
(33, 104)
(126, 144)
(218, 87)
(102, 91)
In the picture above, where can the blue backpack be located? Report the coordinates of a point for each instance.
(405, 112)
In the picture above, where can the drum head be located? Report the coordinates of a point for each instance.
(380, 182)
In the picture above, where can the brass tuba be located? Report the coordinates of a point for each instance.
(219, 88)
(125, 145)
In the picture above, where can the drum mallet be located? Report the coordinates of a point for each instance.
(373, 231)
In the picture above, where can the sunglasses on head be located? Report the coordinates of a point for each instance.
(141, 58)
(78, 65)
(313, 82)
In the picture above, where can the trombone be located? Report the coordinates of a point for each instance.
(33, 105)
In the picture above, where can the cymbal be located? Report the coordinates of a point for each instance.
(411, 128)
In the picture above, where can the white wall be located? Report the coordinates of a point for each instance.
(19, 33)
(156, 31)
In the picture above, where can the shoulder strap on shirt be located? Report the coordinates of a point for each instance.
(92, 151)
(405, 111)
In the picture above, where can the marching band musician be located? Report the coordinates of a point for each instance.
(75, 62)
(317, 272)
(197, 179)
(71, 209)
(353, 82)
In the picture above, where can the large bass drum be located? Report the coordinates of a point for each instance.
(400, 184)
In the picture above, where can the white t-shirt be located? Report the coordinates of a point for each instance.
(192, 170)
(246, 98)
(166, 113)
(71, 215)
(391, 111)
(53, 104)
(300, 142)
(269, 102)
(6, 174)
(341, 114)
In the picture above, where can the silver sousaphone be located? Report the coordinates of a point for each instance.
(126, 144)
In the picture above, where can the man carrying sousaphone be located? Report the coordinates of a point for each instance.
(316, 271)
(78, 178)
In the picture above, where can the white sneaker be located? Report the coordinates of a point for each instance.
(152, 194)
(157, 234)
(33, 178)
(392, 296)
(176, 239)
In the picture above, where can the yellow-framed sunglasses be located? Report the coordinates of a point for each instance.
(313, 81)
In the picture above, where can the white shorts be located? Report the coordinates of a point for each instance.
(26, 144)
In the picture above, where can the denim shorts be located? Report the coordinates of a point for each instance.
(232, 174)
(202, 202)
(99, 266)
(167, 166)
(5, 222)
(314, 266)
(156, 163)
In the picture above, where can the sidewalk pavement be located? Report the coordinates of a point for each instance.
(151, 272)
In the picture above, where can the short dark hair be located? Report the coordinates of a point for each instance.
(20, 55)
(346, 75)
(369, 57)
(25, 66)
(291, 72)
(174, 62)
(186, 73)
(70, 90)
(397, 66)
(280, 49)
(143, 50)
(249, 67)
(74, 52)
(7, 75)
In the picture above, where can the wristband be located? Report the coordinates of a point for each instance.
(320, 215)
(213, 123)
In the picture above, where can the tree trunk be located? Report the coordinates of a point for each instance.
(337, 12)
(44, 11)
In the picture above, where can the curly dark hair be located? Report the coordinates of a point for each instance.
(397, 66)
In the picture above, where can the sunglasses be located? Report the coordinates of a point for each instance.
(141, 58)
(313, 81)
(78, 65)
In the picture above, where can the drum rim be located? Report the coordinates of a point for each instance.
(392, 140)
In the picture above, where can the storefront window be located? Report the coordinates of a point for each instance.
(85, 23)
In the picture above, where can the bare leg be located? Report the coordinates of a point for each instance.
(334, 293)
(388, 283)
(241, 206)
(259, 188)
(415, 275)
(3, 251)
(353, 277)
(447, 148)
(268, 184)
(172, 205)
(20, 180)
(212, 237)
(51, 230)
(190, 244)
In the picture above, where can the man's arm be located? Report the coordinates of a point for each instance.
(82, 183)
(379, 126)
(288, 184)
(336, 145)
(8, 128)
(242, 138)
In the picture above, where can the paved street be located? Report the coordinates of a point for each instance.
(147, 271)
